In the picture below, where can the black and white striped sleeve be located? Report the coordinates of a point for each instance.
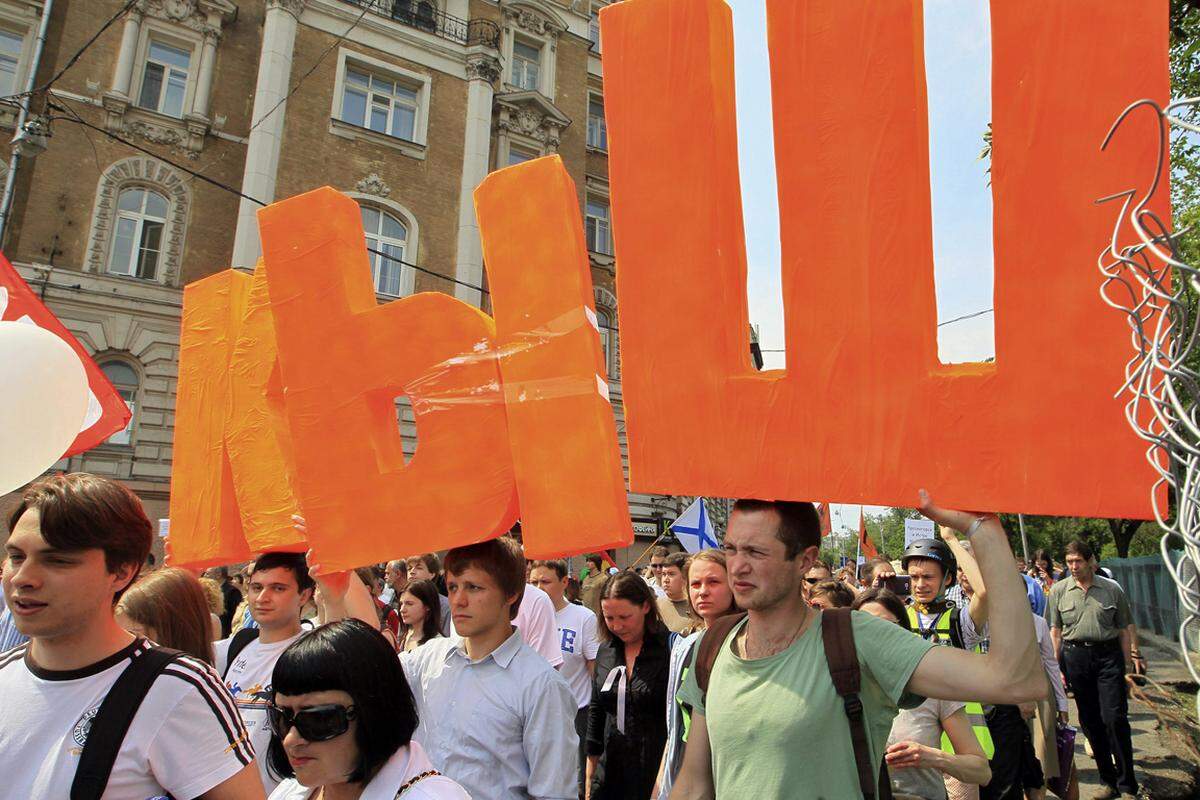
(202, 741)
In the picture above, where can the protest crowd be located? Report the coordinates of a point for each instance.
(751, 670)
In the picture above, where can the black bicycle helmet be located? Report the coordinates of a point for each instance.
(934, 550)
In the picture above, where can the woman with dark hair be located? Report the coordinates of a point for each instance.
(342, 718)
(1042, 569)
(169, 607)
(626, 728)
(420, 615)
(917, 765)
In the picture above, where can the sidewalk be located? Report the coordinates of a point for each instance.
(1166, 769)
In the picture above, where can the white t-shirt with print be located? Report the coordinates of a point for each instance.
(184, 740)
(249, 681)
(579, 642)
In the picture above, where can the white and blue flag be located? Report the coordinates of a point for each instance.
(694, 529)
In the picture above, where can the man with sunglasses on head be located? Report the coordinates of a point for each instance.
(76, 543)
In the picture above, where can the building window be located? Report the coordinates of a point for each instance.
(599, 234)
(526, 64)
(604, 323)
(125, 381)
(387, 243)
(165, 79)
(380, 103)
(11, 45)
(594, 29)
(597, 130)
(138, 237)
(519, 155)
(420, 14)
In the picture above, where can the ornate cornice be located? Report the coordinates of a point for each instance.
(373, 184)
(205, 16)
(293, 7)
(529, 20)
(481, 66)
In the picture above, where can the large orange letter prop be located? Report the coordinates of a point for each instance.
(205, 526)
(865, 413)
(344, 361)
(257, 438)
(564, 439)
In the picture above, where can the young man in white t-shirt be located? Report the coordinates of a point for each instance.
(278, 589)
(578, 641)
(494, 715)
(76, 543)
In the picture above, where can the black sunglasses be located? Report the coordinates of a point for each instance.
(813, 581)
(315, 724)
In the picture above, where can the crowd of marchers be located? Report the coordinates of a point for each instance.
(749, 671)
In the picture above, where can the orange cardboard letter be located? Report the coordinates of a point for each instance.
(344, 360)
(565, 452)
(865, 412)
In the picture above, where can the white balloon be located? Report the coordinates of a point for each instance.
(43, 399)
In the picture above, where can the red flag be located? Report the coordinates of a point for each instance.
(865, 545)
(608, 559)
(107, 413)
(826, 522)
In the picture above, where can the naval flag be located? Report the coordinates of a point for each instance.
(694, 529)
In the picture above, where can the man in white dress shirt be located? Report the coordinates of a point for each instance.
(495, 716)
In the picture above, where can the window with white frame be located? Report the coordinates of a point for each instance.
(526, 65)
(387, 243)
(380, 103)
(597, 129)
(596, 225)
(138, 237)
(125, 381)
(519, 155)
(594, 29)
(165, 78)
(11, 45)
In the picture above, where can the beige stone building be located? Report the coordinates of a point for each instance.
(180, 105)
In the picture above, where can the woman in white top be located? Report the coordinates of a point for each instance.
(342, 718)
(916, 763)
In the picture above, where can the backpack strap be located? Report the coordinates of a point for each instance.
(107, 729)
(837, 634)
(710, 647)
(240, 639)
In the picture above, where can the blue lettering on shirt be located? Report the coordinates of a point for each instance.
(568, 639)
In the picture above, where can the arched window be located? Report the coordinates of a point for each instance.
(138, 236)
(604, 322)
(387, 245)
(125, 381)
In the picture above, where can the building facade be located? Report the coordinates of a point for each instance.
(173, 126)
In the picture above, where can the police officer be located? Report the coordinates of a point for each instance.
(1092, 630)
(1001, 730)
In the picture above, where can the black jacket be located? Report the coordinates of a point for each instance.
(629, 761)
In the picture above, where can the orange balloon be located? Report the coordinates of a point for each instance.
(563, 435)
(865, 412)
(206, 528)
(344, 360)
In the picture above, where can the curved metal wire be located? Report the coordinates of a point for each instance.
(1144, 278)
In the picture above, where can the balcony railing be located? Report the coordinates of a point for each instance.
(424, 16)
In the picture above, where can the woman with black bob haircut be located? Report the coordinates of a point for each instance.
(342, 718)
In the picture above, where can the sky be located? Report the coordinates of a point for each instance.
(958, 77)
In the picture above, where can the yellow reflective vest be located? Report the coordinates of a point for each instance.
(944, 632)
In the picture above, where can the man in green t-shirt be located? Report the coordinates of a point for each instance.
(772, 725)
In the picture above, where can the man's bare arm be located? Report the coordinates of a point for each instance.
(695, 781)
(1011, 671)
